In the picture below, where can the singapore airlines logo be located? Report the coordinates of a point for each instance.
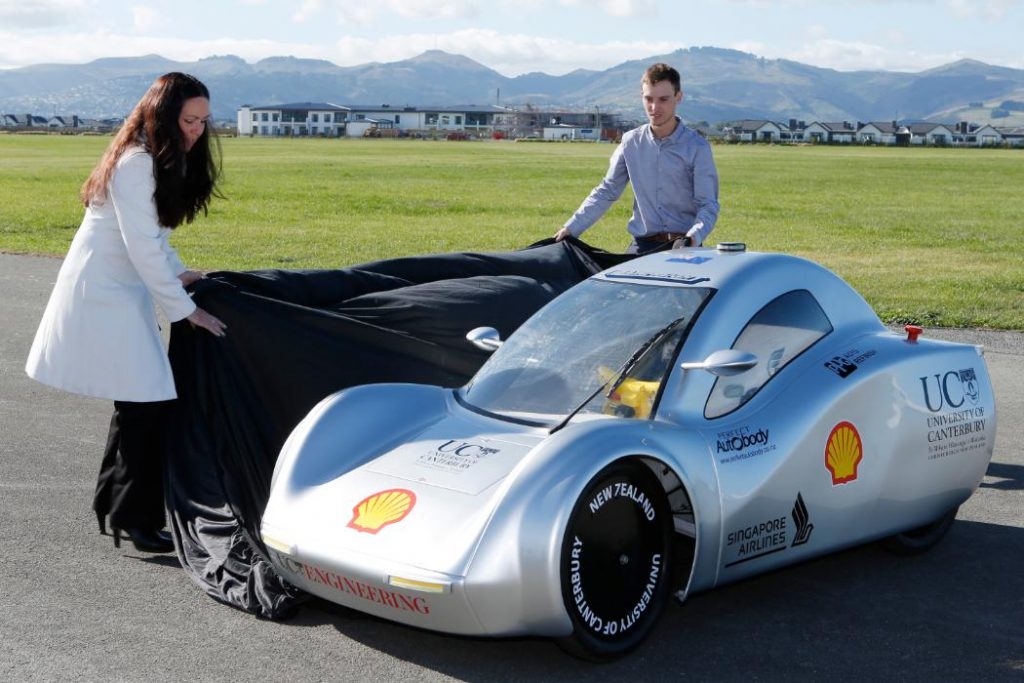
(802, 519)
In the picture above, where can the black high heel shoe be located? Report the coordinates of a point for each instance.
(145, 540)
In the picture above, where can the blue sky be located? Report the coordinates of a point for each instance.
(518, 36)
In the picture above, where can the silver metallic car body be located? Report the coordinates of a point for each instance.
(479, 505)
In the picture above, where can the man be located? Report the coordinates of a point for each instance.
(670, 166)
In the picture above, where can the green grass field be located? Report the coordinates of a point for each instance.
(934, 236)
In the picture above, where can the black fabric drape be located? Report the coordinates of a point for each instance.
(295, 337)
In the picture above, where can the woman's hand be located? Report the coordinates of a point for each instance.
(190, 276)
(201, 318)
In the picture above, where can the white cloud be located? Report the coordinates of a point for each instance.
(509, 53)
(435, 9)
(362, 13)
(989, 10)
(77, 48)
(308, 10)
(629, 8)
(145, 18)
(15, 14)
(613, 8)
(816, 31)
(858, 56)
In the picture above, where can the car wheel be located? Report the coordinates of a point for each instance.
(922, 538)
(614, 564)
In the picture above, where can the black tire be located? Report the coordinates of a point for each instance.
(922, 538)
(615, 561)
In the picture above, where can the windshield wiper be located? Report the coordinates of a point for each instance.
(617, 378)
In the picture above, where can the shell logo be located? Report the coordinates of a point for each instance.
(376, 511)
(843, 453)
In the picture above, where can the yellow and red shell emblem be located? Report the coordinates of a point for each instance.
(843, 453)
(376, 511)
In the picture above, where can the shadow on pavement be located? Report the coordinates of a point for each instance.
(862, 612)
(1011, 477)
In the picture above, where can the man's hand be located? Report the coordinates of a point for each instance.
(201, 318)
(562, 234)
(190, 276)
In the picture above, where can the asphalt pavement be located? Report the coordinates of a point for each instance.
(72, 607)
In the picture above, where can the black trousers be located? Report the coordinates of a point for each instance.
(130, 486)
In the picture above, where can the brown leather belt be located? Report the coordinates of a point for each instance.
(665, 236)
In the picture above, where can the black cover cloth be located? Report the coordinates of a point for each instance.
(295, 337)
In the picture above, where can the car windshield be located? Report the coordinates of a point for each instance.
(582, 340)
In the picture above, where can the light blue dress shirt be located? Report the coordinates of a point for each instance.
(675, 185)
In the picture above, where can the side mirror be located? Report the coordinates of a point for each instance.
(724, 363)
(486, 338)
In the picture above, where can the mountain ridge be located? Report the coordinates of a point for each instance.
(720, 84)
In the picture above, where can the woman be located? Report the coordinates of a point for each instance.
(99, 335)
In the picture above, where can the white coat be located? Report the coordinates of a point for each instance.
(99, 334)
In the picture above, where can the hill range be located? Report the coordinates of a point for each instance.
(720, 85)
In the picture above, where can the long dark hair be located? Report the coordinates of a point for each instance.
(185, 181)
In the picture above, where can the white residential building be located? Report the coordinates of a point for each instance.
(565, 131)
(878, 133)
(935, 134)
(298, 119)
(755, 130)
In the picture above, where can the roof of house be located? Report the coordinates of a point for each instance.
(303, 106)
(925, 127)
(446, 108)
(890, 127)
(751, 125)
(838, 126)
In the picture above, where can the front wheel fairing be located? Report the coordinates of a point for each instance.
(421, 499)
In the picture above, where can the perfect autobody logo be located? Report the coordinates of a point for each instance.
(771, 535)
(742, 443)
(957, 422)
(847, 362)
(456, 456)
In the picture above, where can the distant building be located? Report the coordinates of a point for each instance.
(925, 133)
(832, 132)
(358, 120)
(482, 120)
(565, 131)
(1014, 137)
(754, 130)
(878, 133)
(64, 122)
(298, 119)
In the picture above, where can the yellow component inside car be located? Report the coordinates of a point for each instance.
(632, 398)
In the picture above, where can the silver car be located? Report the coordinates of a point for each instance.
(672, 424)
